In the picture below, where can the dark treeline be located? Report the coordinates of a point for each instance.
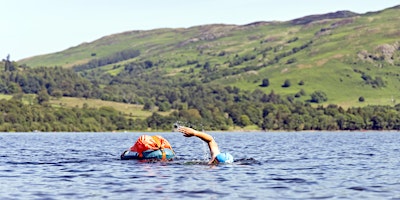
(117, 57)
(56, 81)
(213, 107)
(17, 116)
(273, 114)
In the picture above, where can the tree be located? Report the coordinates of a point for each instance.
(148, 64)
(302, 92)
(286, 83)
(265, 82)
(43, 97)
(164, 106)
(245, 120)
(318, 97)
(7, 64)
(13, 88)
(207, 66)
(291, 60)
(148, 105)
(57, 93)
(379, 82)
(296, 122)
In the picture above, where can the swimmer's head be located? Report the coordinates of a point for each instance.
(224, 158)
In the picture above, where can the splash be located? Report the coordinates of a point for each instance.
(178, 124)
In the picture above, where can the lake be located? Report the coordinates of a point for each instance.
(278, 165)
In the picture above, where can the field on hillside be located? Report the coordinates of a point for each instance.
(130, 110)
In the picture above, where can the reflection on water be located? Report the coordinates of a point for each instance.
(317, 165)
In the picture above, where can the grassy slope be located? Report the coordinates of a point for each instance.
(327, 65)
(129, 110)
(324, 67)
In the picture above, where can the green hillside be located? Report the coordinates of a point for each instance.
(343, 54)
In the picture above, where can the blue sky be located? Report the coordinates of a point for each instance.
(34, 27)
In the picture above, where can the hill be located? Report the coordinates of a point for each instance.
(335, 71)
(344, 54)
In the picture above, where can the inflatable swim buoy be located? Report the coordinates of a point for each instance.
(149, 154)
(149, 147)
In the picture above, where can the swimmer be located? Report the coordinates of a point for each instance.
(216, 155)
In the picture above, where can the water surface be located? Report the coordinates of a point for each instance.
(283, 165)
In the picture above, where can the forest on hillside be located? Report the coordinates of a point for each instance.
(204, 106)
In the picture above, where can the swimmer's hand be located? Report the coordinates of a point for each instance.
(187, 132)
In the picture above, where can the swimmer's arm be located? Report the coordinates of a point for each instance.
(212, 144)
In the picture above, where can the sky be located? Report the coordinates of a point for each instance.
(36, 27)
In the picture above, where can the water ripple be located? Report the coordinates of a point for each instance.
(317, 165)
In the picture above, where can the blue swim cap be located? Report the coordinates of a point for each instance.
(225, 158)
